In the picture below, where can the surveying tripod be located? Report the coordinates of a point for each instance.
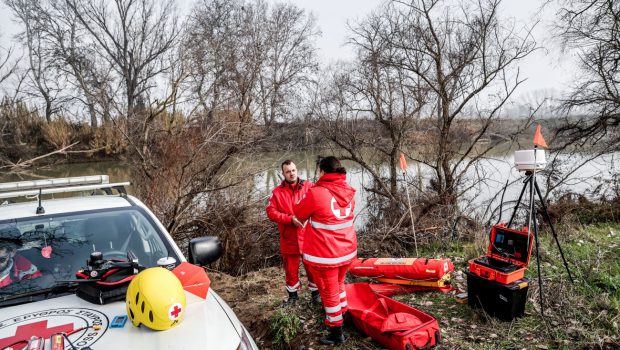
(530, 180)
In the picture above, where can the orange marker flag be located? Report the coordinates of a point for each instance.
(403, 162)
(538, 138)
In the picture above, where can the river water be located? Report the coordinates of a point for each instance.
(489, 179)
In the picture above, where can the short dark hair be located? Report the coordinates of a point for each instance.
(331, 164)
(286, 162)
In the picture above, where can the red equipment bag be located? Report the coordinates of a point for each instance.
(391, 323)
(508, 255)
(409, 269)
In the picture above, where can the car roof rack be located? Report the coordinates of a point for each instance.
(61, 185)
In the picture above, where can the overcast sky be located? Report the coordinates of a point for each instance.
(547, 69)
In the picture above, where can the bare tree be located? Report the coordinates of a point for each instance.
(7, 66)
(591, 28)
(206, 42)
(246, 58)
(200, 161)
(461, 53)
(290, 61)
(436, 76)
(249, 57)
(227, 43)
(133, 36)
(9, 134)
(43, 78)
(75, 57)
(368, 109)
(60, 53)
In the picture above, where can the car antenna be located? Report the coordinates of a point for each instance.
(40, 209)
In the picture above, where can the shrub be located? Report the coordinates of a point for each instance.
(284, 327)
(109, 138)
(58, 133)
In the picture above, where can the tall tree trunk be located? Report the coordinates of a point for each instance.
(48, 109)
(93, 115)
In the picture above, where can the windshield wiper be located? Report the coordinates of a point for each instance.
(58, 288)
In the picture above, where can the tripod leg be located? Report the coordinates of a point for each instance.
(514, 212)
(540, 284)
(555, 236)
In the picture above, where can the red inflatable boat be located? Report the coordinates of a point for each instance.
(406, 271)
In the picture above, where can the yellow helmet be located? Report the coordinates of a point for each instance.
(155, 298)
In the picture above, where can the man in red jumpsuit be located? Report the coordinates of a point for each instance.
(280, 211)
(13, 268)
(330, 242)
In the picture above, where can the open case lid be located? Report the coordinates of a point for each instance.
(510, 245)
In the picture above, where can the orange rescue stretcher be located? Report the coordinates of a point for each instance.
(419, 272)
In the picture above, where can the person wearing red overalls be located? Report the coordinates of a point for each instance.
(14, 268)
(280, 211)
(330, 243)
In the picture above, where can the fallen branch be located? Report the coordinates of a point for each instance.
(29, 162)
(86, 150)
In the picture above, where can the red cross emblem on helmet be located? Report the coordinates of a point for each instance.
(175, 311)
(340, 212)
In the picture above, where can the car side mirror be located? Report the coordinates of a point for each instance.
(204, 250)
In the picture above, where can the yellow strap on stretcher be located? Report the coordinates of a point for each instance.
(406, 282)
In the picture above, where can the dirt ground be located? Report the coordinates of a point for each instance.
(257, 296)
(570, 322)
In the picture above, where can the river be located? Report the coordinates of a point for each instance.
(490, 177)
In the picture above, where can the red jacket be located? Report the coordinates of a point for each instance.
(280, 211)
(330, 238)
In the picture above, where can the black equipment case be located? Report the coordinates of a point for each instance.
(504, 301)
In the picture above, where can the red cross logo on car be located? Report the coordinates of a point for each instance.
(37, 329)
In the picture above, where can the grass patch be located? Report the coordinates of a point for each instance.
(580, 315)
(284, 327)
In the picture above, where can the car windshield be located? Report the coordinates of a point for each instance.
(39, 253)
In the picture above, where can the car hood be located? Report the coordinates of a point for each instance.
(205, 325)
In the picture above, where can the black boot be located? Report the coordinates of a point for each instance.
(316, 297)
(292, 298)
(335, 336)
(347, 319)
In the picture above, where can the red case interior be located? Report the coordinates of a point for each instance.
(510, 245)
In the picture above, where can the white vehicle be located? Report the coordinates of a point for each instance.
(53, 238)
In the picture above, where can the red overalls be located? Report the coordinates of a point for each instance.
(22, 269)
(330, 242)
(280, 211)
